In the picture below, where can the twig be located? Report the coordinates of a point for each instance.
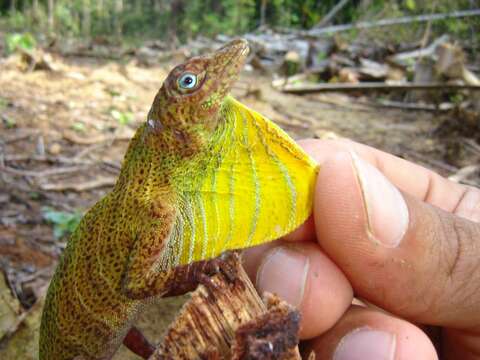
(464, 173)
(473, 145)
(331, 14)
(292, 115)
(72, 137)
(79, 187)
(411, 106)
(313, 88)
(46, 158)
(89, 149)
(44, 173)
(432, 163)
(111, 164)
(390, 22)
(23, 134)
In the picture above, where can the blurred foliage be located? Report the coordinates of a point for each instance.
(64, 223)
(459, 28)
(180, 20)
(16, 41)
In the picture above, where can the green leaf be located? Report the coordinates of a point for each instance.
(64, 223)
(10, 123)
(411, 5)
(123, 118)
(3, 103)
(113, 92)
(78, 126)
(16, 41)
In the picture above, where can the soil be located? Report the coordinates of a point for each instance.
(60, 131)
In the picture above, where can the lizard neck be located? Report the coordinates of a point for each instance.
(158, 160)
(161, 158)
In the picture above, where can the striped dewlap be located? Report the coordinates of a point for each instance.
(257, 187)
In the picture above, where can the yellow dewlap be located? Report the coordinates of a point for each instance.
(261, 190)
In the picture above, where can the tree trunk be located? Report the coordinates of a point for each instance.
(35, 10)
(100, 7)
(86, 17)
(138, 7)
(177, 11)
(117, 17)
(157, 7)
(263, 12)
(13, 6)
(51, 16)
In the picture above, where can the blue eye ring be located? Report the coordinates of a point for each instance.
(187, 81)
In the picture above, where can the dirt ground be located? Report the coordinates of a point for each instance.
(62, 142)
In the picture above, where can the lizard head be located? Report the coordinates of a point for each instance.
(192, 95)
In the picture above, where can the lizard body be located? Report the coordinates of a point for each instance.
(203, 175)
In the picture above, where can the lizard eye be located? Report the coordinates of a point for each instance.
(187, 81)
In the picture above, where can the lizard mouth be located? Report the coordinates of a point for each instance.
(238, 51)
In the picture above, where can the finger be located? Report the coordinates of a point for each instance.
(306, 278)
(368, 334)
(413, 179)
(408, 257)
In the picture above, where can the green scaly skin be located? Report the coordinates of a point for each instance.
(109, 269)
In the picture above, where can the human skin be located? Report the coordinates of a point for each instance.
(400, 239)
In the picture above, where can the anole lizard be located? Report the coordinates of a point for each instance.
(204, 174)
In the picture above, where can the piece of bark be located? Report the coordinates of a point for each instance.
(273, 335)
(451, 63)
(424, 74)
(230, 321)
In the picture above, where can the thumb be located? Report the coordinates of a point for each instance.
(407, 256)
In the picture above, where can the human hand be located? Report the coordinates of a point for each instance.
(412, 256)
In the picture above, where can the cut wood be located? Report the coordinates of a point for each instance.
(230, 321)
(313, 88)
(405, 57)
(451, 63)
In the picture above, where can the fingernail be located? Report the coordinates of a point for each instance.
(284, 272)
(364, 343)
(387, 212)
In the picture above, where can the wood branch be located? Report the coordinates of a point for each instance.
(20, 134)
(403, 58)
(44, 173)
(390, 22)
(47, 159)
(79, 187)
(331, 14)
(314, 88)
(464, 173)
(472, 144)
(428, 161)
(412, 106)
(229, 321)
(74, 138)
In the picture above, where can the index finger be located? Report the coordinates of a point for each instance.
(416, 180)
